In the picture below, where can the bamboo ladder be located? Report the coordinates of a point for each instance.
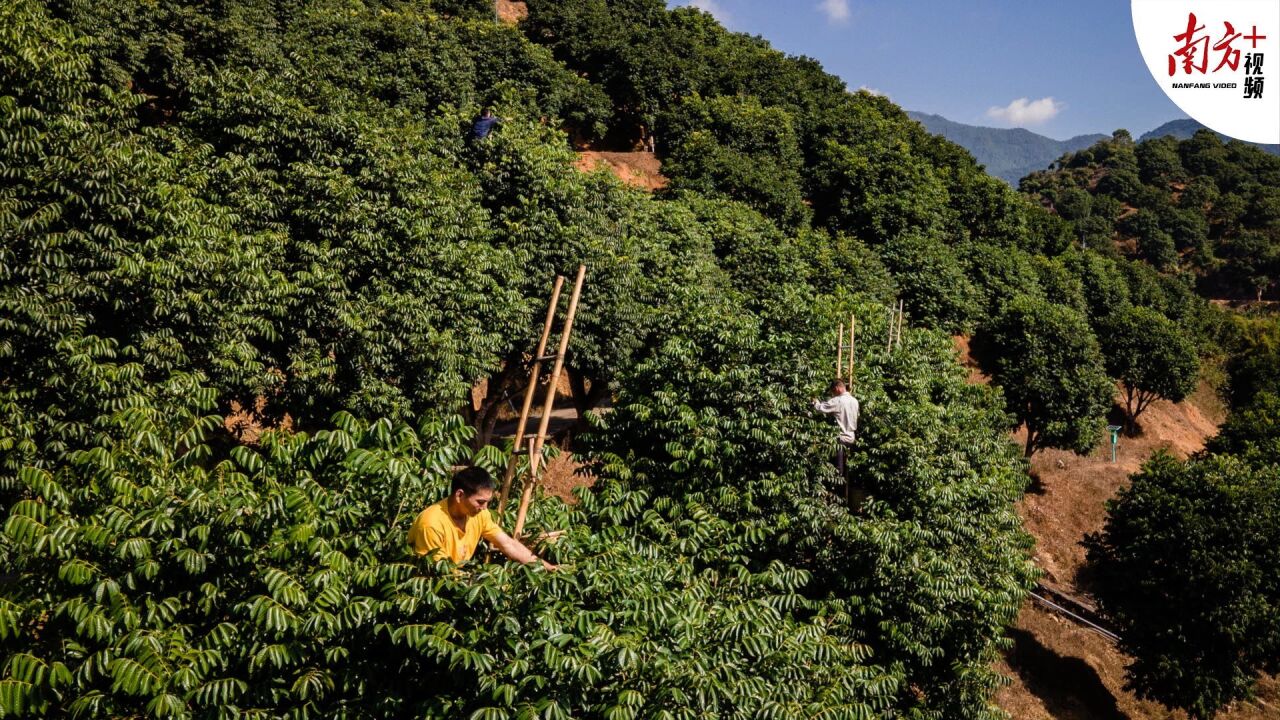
(841, 347)
(895, 327)
(893, 340)
(841, 367)
(531, 444)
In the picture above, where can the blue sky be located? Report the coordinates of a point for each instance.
(1056, 68)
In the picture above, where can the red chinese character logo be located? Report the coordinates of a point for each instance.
(1230, 56)
(1192, 47)
(1194, 52)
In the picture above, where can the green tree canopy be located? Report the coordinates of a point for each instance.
(735, 147)
(158, 575)
(932, 280)
(716, 419)
(1150, 356)
(1251, 432)
(1254, 366)
(1047, 362)
(277, 202)
(1255, 260)
(1073, 204)
(1158, 161)
(1186, 566)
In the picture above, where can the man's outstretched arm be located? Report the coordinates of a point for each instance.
(825, 406)
(516, 550)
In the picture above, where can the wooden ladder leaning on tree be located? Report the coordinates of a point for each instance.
(531, 444)
(841, 347)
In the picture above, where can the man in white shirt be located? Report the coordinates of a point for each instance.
(845, 407)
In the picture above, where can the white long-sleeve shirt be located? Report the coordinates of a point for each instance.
(845, 407)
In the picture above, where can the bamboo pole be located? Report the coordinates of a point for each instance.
(534, 372)
(839, 350)
(535, 450)
(901, 313)
(888, 345)
(853, 323)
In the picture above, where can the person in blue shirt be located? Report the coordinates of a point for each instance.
(484, 124)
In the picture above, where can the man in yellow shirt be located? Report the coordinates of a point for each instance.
(452, 528)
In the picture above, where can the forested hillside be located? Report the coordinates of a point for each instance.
(1207, 212)
(277, 206)
(1200, 207)
(1185, 128)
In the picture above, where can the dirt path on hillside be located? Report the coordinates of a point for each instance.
(1068, 496)
(1059, 670)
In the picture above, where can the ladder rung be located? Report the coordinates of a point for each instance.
(521, 451)
(545, 358)
(530, 435)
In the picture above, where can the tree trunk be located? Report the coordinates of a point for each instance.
(1130, 415)
(486, 418)
(1131, 418)
(584, 400)
(488, 421)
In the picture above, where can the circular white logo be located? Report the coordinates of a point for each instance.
(1217, 60)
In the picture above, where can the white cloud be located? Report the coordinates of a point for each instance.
(712, 8)
(837, 11)
(1027, 112)
(873, 91)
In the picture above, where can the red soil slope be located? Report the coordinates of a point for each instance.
(510, 11)
(638, 169)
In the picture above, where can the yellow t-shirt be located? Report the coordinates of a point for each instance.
(434, 530)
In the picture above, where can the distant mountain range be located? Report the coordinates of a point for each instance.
(1185, 128)
(1009, 154)
(1012, 154)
